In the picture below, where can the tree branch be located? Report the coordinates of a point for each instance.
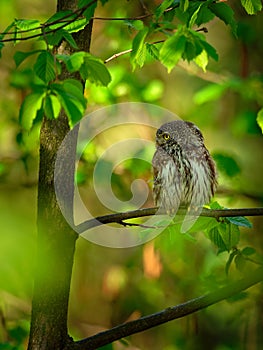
(121, 53)
(120, 217)
(79, 12)
(116, 55)
(169, 314)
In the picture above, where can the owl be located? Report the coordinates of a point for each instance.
(184, 171)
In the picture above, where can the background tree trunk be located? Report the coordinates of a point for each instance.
(56, 240)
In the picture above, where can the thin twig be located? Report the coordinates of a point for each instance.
(78, 13)
(118, 54)
(123, 18)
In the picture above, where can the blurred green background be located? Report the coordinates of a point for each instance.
(115, 285)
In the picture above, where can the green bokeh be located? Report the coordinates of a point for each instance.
(111, 286)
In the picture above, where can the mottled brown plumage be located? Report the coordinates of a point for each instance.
(184, 172)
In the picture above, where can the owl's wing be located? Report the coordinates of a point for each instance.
(157, 181)
(204, 179)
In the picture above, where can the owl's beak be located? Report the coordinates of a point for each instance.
(159, 132)
(159, 141)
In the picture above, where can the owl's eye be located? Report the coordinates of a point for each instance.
(166, 136)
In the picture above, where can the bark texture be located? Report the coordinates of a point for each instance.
(56, 240)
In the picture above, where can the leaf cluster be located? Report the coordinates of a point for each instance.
(182, 40)
(223, 233)
(59, 26)
(174, 23)
(49, 94)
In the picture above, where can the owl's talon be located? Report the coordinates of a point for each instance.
(193, 209)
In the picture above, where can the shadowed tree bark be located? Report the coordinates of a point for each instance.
(56, 240)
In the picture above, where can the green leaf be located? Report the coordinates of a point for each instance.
(138, 53)
(168, 16)
(76, 25)
(45, 67)
(27, 24)
(135, 24)
(216, 238)
(230, 235)
(52, 106)
(62, 57)
(210, 50)
(90, 67)
(204, 224)
(95, 71)
(74, 61)
(225, 13)
(215, 205)
(152, 50)
(204, 15)
(55, 38)
(230, 259)
(260, 119)
(240, 262)
(71, 106)
(172, 50)
(89, 12)
(162, 7)
(239, 221)
(69, 38)
(184, 4)
(70, 95)
(252, 6)
(192, 49)
(29, 108)
(226, 164)
(20, 56)
(248, 251)
(193, 18)
(202, 60)
(187, 44)
(75, 89)
(57, 21)
(59, 16)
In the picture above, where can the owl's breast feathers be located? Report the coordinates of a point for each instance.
(167, 181)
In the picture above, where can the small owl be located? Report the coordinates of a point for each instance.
(184, 172)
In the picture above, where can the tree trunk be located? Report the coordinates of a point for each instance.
(56, 239)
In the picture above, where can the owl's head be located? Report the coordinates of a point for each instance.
(179, 132)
